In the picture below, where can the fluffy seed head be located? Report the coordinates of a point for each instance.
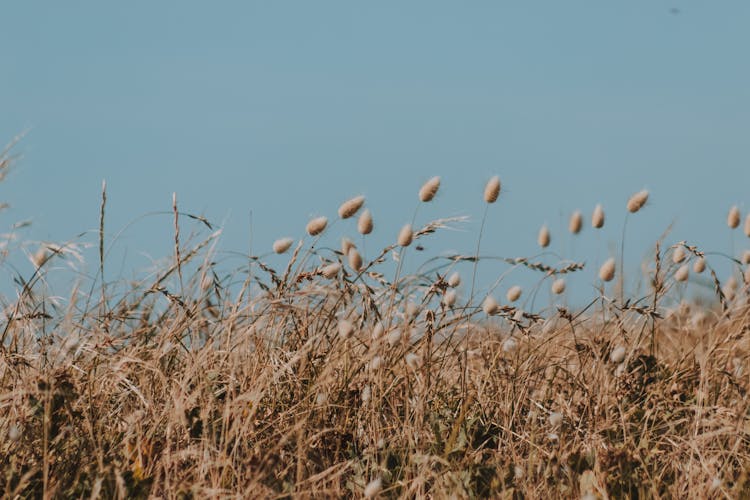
(555, 419)
(576, 222)
(14, 433)
(678, 255)
(543, 238)
(699, 265)
(346, 245)
(607, 271)
(364, 223)
(316, 226)
(510, 344)
(746, 276)
(331, 270)
(405, 236)
(366, 394)
(373, 488)
(746, 257)
(514, 293)
(393, 337)
(413, 360)
(617, 354)
(682, 273)
(282, 245)
(345, 328)
(637, 201)
(351, 207)
(733, 217)
(489, 306)
(597, 218)
(429, 189)
(454, 280)
(449, 299)
(355, 259)
(377, 330)
(376, 363)
(39, 257)
(492, 190)
(558, 286)
(747, 226)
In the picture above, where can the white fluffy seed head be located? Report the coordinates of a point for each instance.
(733, 217)
(510, 345)
(607, 271)
(405, 236)
(543, 238)
(351, 207)
(331, 270)
(699, 265)
(514, 293)
(393, 337)
(282, 245)
(373, 488)
(413, 360)
(747, 226)
(558, 286)
(366, 394)
(449, 299)
(355, 259)
(597, 218)
(489, 306)
(637, 201)
(678, 255)
(14, 433)
(682, 273)
(345, 328)
(376, 363)
(492, 190)
(377, 330)
(316, 226)
(429, 189)
(746, 257)
(364, 223)
(576, 222)
(555, 419)
(617, 354)
(454, 280)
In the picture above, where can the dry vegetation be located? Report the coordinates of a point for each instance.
(338, 376)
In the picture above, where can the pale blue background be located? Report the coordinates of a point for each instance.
(287, 108)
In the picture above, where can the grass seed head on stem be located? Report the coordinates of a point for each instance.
(316, 226)
(576, 222)
(489, 306)
(733, 217)
(544, 238)
(492, 190)
(405, 236)
(514, 293)
(429, 189)
(558, 286)
(607, 271)
(282, 245)
(699, 265)
(364, 223)
(637, 201)
(597, 218)
(678, 254)
(355, 259)
(373, 488)
(682, 273)
(454, 280)
(351, 207)
(331, 270)
(747, 226)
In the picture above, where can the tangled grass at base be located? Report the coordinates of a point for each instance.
(330, 378)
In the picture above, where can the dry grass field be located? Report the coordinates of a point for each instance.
(341, 374)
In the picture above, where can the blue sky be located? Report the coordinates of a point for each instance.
(286, 109)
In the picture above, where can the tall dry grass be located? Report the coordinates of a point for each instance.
(327, 378)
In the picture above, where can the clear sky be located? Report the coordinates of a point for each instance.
(286, 109)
